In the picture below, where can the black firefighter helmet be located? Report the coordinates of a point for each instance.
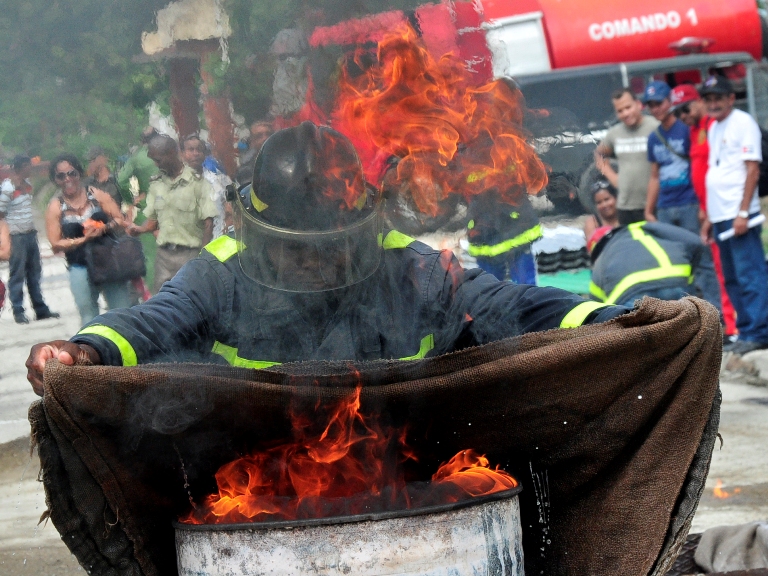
(308, 222)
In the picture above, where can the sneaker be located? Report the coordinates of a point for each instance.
(742, 347)
(20, 318)
(729, 339)
(729, 342)
(47, 314)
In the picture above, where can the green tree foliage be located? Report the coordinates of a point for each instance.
(69, 75)
(73, 76)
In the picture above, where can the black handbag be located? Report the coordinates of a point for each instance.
(114, 258)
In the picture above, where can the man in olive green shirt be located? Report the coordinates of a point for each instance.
(139, 165)
(179, 206)
(142, 167)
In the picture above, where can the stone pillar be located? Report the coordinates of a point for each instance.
(185, 105)
(216, 106)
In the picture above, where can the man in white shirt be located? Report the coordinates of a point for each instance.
(735, 153)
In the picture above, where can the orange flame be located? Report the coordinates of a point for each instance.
(450, 136)
(352, 467)
(718, 491)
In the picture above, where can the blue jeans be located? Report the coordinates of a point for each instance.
(685, 216)
(746, 280)
(87, 294)
(705, 279)
(516, 265)
(25, 267)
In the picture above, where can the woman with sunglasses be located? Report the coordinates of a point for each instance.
(75, 217)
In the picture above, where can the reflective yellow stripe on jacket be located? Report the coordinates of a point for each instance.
(230, 354)
(395, 240)
(224, 247)
(127, 353)
(520, 240)
(579, 313)
(665, 270)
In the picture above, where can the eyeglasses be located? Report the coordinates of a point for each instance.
(653, 104)
(684, 109)
(61, 176)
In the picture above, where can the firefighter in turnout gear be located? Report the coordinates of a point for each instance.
(500, 237)
(643, 259)
(311, 276)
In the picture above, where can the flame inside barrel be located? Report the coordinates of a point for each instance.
(353, 466)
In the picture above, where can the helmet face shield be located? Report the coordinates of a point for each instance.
(306, 261)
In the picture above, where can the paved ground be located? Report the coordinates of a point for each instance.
(26, 548)
(740, 468)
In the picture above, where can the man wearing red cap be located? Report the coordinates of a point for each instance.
(688, 106)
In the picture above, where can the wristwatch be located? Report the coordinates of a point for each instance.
(743, 214)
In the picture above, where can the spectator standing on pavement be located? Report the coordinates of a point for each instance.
(5, 254)
(671, 198)
(627, 142)
(71, 223)
(25, 265)
(734, 168)
(179, 206)
(141, 167)
(688, 106)
(100, 176)
(260, 131)
(193, 153)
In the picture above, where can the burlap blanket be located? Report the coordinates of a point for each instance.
(609, 427)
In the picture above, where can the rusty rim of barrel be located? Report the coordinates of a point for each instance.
(373, 516)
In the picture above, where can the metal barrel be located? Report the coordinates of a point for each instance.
(479, 537)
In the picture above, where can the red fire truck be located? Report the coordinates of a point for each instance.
(567, 57)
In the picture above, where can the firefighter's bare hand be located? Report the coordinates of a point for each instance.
(706, 229)
(66, 352)
(650, 216)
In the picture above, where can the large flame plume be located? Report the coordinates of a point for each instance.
(354, 466)
(450, 136)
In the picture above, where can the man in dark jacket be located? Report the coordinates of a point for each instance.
(312, 276)
(643, 259)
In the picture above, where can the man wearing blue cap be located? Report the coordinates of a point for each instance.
(671, 198)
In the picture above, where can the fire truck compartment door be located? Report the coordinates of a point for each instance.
(518, 45)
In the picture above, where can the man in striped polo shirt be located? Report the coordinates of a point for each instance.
(16, 208)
